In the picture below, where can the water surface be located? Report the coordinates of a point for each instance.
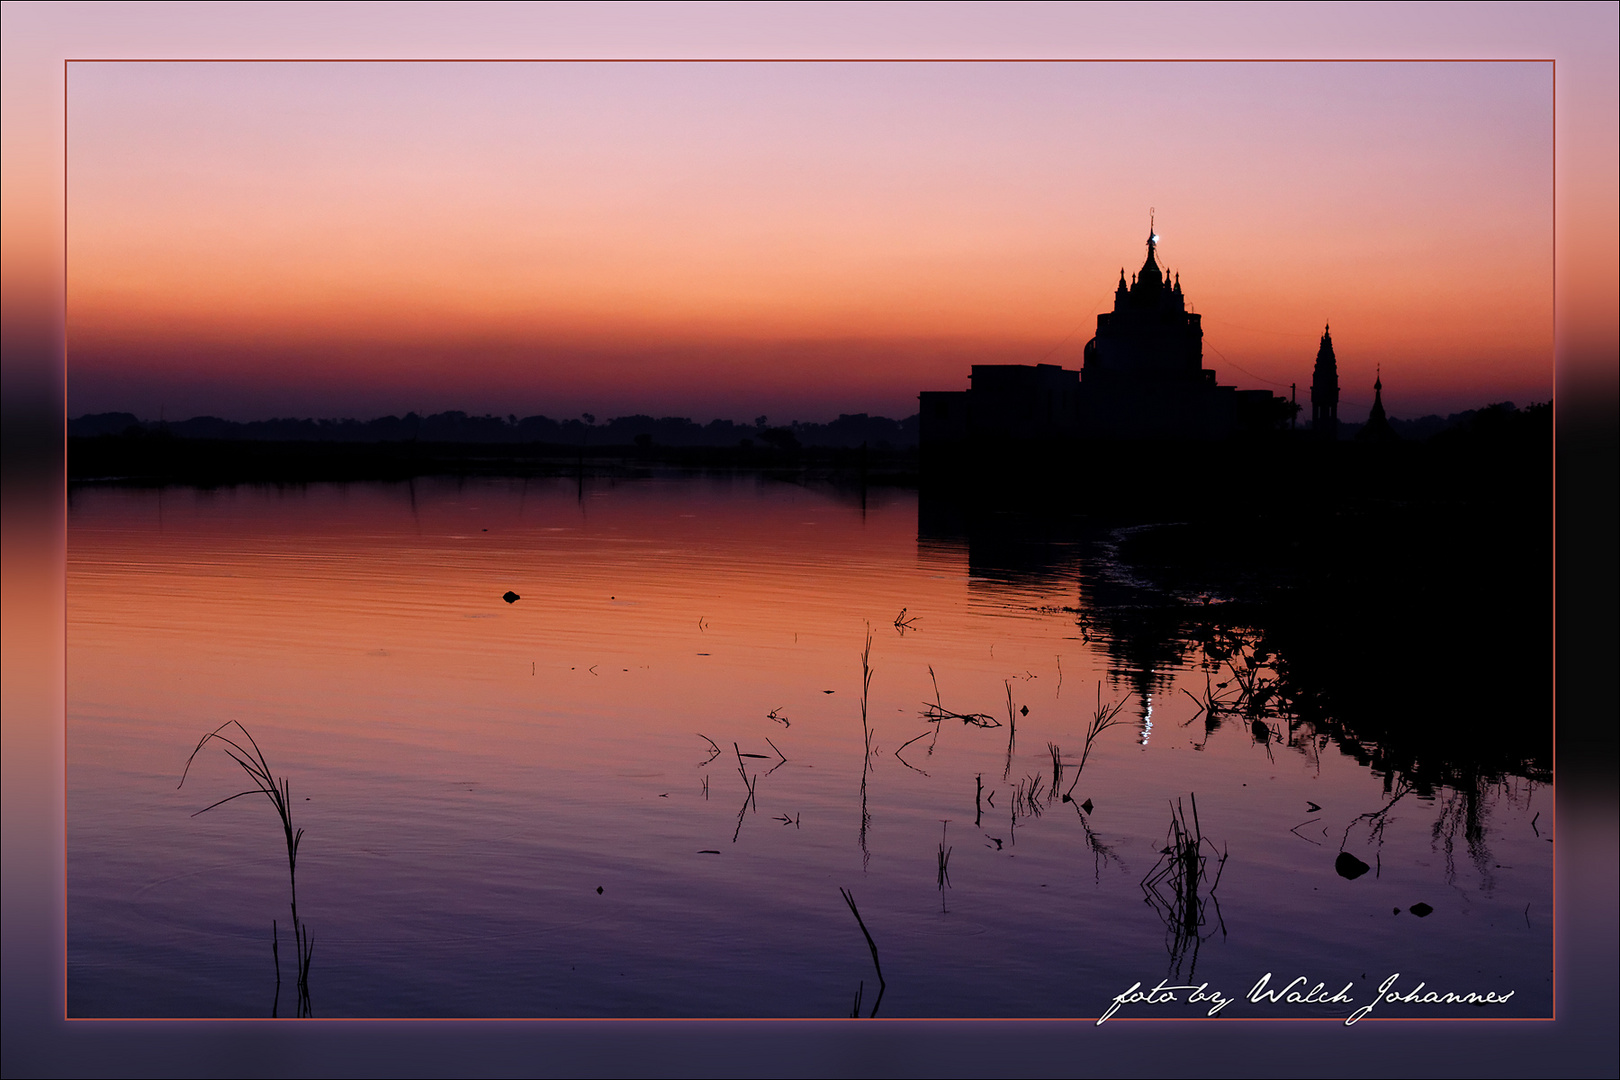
(638, 790)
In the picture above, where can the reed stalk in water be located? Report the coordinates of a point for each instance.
(279, 792)
(1103, 718)
(870, 944)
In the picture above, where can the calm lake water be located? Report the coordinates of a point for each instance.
(638, 790)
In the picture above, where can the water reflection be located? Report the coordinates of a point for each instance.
(363, 632)
(1224, 630)
(1153, 625)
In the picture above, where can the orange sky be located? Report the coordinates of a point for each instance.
(252, 240)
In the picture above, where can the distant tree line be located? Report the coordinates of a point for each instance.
(1487, 418)
(849, 430)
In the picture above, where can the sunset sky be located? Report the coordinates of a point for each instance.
(795, 239)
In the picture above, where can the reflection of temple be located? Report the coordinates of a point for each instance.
(1143, 377)
(1145, 641)
(1141, 630)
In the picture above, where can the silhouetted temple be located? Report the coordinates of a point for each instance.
(1377, 428)
(1325, 390)
(1143, 378)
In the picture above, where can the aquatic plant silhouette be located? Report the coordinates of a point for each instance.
(1255, 689)
(748, 790)
(1260, 693)
(1378, 819)
(1181, 886)
(908, 742)
(866, 687)
(934, 712)
(1349, 866)
(1012, 731)
(279, 792)
(870, 944)
(779, 754)
(742, 812)
(1102, 718)
(866, 757)
(1026, 798)
(1101, 853)
(1461, 809)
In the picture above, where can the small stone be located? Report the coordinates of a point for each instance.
(599, 890)
(510, 597)
(1349, 867)
(1420, 910)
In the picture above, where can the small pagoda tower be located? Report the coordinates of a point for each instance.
(1325, 390)
(1377, 428)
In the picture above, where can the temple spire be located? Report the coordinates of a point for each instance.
(1378, 427)
(1150, 268)
(1325, 388)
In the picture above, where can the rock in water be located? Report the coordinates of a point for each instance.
(1349, 867)
(510, 597)
(1420, 910)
